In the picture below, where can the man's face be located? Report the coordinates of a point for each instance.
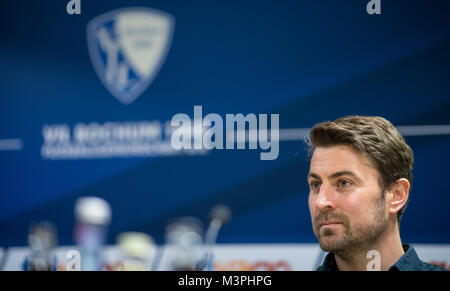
(345, 200)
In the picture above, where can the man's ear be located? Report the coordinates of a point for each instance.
(400, 194)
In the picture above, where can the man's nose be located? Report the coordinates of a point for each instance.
(326, 198)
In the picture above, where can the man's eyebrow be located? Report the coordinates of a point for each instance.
(343, 173)
(334, 175)
(313, 175)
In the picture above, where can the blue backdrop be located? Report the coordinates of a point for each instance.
(309, 61)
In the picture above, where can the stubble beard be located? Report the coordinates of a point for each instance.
(361, 237)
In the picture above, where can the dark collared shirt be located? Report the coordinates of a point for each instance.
(408, 262)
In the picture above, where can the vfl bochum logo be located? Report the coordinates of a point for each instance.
(128, 47)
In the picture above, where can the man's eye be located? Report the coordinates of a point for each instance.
(314, 185)
(344, 183)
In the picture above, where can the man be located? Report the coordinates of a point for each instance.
(360, 176)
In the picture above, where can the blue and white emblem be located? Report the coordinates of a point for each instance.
(128, 47)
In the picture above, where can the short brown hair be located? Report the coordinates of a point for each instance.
(374, 137)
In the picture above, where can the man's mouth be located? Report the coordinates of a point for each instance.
(330, 223)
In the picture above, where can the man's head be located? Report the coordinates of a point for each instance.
(359, 178)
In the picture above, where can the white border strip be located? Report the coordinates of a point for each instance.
(299, 134)
(11, 144)
(293, 134)
(416, 130)
(289, 134)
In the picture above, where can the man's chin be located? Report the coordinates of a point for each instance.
(330, 243)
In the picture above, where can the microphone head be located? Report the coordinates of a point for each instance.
(93, 210)
(220, 212)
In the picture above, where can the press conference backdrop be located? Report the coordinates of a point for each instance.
(84, 113)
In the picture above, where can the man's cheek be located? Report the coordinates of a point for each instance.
(355, 207)
(311, 206)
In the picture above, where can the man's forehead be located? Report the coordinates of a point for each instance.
(329, 160)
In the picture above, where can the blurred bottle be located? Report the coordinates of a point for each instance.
(138, 250)
(93, 216)
(42, 239)
(188, 249)
(184, 242)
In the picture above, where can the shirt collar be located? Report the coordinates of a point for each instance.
(409, 261)
(329, 264)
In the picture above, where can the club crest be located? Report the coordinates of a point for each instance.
(128, 47)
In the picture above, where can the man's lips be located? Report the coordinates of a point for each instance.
(329, 223)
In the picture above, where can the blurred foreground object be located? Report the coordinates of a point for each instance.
(219, 216)
(42, 239)
(184, 242)
(93, 216)
(138, 250)
(189, 249)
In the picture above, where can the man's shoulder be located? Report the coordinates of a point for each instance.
(430, 267)
(410, 261)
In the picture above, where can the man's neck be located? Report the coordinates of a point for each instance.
(389, 247)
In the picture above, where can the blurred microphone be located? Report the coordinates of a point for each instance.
(219, 216)
(93, 215)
